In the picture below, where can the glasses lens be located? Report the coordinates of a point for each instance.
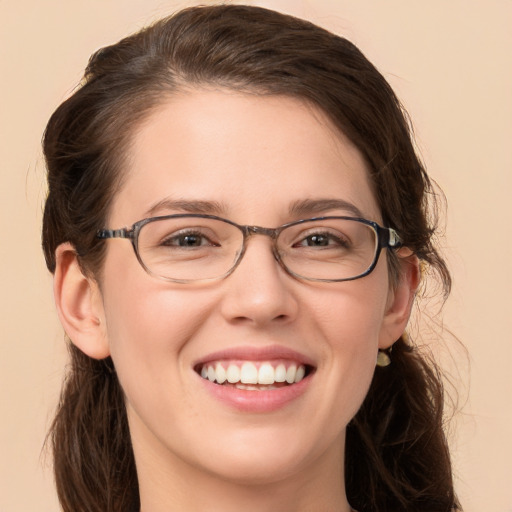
(189, 248)
(328, 249)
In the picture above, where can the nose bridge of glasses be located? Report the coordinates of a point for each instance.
(272, 233)
(258, 230)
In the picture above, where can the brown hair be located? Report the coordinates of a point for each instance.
(396, 454)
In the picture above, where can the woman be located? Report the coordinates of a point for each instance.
(235, 220)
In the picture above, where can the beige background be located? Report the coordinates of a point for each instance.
(450, 62)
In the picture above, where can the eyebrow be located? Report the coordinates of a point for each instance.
(187, 206)
(301, 208)
(307, 207)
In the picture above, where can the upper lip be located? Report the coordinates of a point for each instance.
(251, 353)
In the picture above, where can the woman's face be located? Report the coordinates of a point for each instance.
(259, 161)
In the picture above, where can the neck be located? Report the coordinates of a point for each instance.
(217, 495)
(167, 482)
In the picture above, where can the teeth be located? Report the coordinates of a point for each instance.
(220, 374)
(290, 374)
(252, 387)
(280, 373)
(249, 375)
(266, 374)
(301, 371)
(233, 374)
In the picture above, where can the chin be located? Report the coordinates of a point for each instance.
(268, 457)
(247, 471)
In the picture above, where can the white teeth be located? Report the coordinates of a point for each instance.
(220, 373)
(248, 375)
(301, 371)
(233, 373)
(266, 374)
(280, 373)
(253, 387)
(290, 374)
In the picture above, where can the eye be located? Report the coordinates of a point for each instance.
(187, 239)
(323, 239)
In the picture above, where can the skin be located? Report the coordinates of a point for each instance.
(255, 156)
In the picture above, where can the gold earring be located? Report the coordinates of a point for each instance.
(383, 359)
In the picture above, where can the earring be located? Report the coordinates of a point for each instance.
(383, 359)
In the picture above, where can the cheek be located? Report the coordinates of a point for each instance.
(150, 333)
(149, 322)
(352, 313)
(351, 319)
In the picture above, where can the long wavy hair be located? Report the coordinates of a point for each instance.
(397, 458)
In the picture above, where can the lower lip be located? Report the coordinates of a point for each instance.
(257, 401)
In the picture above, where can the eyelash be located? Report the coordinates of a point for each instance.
(328, 235)
(175, 237)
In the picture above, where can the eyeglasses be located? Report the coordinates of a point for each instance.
(185, 248)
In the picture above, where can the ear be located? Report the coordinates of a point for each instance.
(79, 304)
(400, 299)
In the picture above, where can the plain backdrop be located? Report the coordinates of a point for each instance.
(450, 63)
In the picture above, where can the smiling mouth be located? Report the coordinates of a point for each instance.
(254, 375)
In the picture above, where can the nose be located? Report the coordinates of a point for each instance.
(259, 291)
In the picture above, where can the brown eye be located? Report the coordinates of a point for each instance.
(326, 239)
(187, 239)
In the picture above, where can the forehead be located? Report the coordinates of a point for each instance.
(253, 155)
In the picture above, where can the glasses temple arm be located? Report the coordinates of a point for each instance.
(114, 233)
